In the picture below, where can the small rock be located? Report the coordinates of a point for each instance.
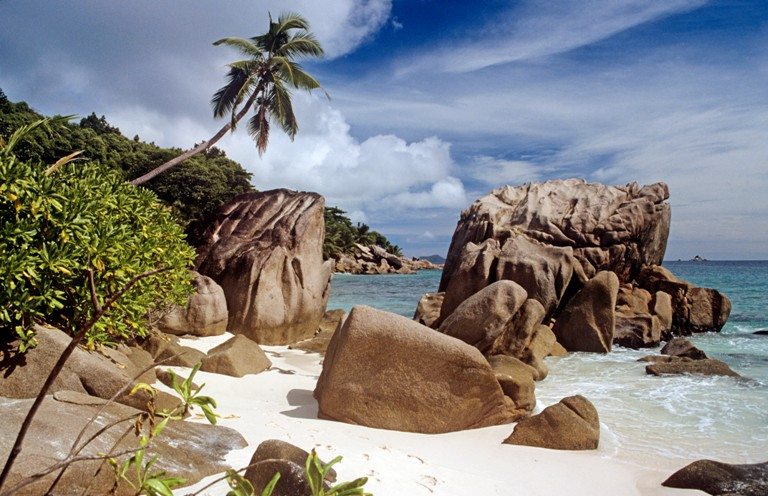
(681, 347)
(275, 449)
(571, 424)
(236, 357)
(722, 479)
(761, 332)
(205, 314)
(293, 480)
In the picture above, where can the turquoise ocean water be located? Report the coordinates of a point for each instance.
(659, 422)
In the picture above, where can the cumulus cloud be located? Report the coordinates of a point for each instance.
(381, 172)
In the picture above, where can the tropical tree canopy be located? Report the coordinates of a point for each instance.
(263, 82)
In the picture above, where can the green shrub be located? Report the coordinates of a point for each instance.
(59, 224)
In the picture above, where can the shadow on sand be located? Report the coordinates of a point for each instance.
(305, 403)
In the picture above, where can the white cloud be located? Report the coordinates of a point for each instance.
(496, 172)
(538, 28)
(379, 173)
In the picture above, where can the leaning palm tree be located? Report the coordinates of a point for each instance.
(263, 82)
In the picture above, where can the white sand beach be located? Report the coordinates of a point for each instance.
(278, 404)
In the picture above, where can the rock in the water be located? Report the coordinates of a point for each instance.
(681, 347)
(587, 322)
(275, 449)
(386, 371)
(571, 424)
(614, 228)
(265, 250)
(475, 268)
(428, 310)
(636, 330)
(237, 357)
(185, 449)
(205, 314)
(678, 366)
(516, 380)
(481, 318)
(761, 332)
(722, 479)
(693, 309)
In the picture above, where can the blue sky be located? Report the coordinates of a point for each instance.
(435, 103)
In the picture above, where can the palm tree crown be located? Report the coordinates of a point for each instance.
(265, 77)
(263, 81)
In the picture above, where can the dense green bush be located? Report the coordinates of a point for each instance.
(194, 189)
(58, 223)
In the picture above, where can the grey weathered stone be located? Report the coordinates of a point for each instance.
(204, 315)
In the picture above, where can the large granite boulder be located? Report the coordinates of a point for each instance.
(614, 228)
(571, 424)
(205, 314)
(694, 309)
(428, 310)
(481, 318)
(722, 479)
(543, 270)
(588, 320)
(516, 380)
(386, 371)
(189, 450)
(266, 251)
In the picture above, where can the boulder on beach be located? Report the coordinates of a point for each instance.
(722, 479)
(205, 314)
(318, 343)
(588, 320)
(516, 380)
(265, 250)
(293, 479)
(62, 416)
(614, 228)
(236, 357)
(474, 269)
(481, 318)
(428, 310)
(571, 424)
(386, 371)
(23, 375)
(165, 349)
(276, 449)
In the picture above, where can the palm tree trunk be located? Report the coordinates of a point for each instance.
(205, 145)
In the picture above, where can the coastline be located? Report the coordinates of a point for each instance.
(278, 403)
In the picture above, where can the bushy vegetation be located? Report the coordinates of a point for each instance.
(194, 190)
(72, 236)
(341, 235)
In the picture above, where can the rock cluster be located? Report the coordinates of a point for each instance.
(374, 259)
(265, 251)
(588, 254)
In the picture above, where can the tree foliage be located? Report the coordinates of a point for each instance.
(75, 232)
(341, 235)
(194, 190)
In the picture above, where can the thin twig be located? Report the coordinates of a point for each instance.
(103, 461)
(222, 478)
(32, 478)
(16, 449)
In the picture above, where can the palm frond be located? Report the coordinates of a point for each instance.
(226, 98)
(258, 128)
(282, 110)
(245, 45)
(293, 74)
(300, 44)
(290, 20)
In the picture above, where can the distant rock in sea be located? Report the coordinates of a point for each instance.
(435, 259)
